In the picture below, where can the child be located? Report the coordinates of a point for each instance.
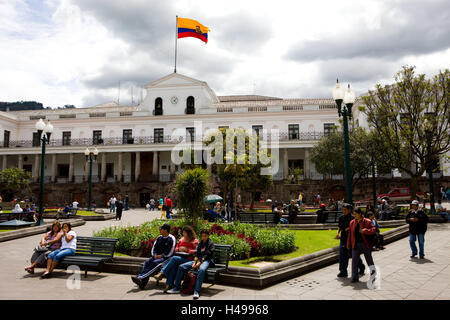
(204, 257)
(378, 236)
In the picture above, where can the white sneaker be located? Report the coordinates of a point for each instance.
(196, 295)
(174, 290)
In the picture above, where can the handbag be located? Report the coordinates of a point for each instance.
(40, 248)
(189, 283)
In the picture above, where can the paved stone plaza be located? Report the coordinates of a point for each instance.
(402, 278)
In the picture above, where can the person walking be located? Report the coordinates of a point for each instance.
(169, 205)
(344, 254)
(119, 208)
(125, 203)
(112, 204)
(417, 220)
(359, 228)
(152, 204)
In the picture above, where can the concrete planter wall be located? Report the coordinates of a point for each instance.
(31, 231)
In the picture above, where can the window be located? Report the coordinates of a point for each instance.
(97, 137)
(36, 139)
(190, 105)
(158, 107)
(63, 170)
(66, 138)
(27, 168)
(190, 134)
(127, 137)
(295, 164)
(328, 128)
(6, 135)
(158, 135)
(293, 131)
(110, 170)
(258, 130)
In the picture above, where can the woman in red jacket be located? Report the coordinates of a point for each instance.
(360, 227)
(184, 252)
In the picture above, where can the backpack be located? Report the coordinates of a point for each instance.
(189, 283)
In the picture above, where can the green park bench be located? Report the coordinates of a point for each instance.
(62, 215)
(221, 259)
(92, 252)
(260, 218)
(332, 216)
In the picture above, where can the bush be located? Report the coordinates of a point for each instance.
(240, 249)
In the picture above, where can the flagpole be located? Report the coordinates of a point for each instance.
(176, 42)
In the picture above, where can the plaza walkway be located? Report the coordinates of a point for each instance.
(401, 277)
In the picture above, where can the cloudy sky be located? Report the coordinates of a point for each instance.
(76, 51)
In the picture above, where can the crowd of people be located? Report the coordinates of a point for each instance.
(165, 204)
(174, 260)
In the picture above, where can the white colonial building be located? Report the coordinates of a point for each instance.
(135, 142)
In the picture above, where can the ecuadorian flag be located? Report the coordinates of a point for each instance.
(192, 28)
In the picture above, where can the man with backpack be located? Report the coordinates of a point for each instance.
(204, 257)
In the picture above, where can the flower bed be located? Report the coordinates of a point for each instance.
(247, 240)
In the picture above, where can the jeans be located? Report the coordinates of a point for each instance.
(185, 267)
(412, 243)
(360, 247)
(343, 258)
(168, 212)
(444, 215)
(283, 221)
(58, 254)
(171, 267)
(112, 208)
(152, 207)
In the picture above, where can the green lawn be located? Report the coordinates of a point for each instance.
(306, 241)
(87, 213)
(118, 254)
(6, 230)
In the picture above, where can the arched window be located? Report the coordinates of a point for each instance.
(158, 107)
(190, 105)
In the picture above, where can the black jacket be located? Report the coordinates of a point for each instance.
(207, 253)
(419, 227)
(344, 223)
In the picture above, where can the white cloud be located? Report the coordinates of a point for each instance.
(75, 52)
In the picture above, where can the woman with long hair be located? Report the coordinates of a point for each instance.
(51, 241)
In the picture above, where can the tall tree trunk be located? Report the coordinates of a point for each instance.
(252, 203)
(413, 186)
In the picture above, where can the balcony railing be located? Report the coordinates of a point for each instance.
(147, 140)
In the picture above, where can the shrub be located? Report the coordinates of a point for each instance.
(240, 249)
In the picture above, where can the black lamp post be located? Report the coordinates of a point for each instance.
(348, 97)
(90, 157)
(428, 128)
(45, 139)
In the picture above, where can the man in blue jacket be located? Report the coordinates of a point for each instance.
(162, 250)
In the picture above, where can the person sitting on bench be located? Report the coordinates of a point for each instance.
(68, 248)
(204, 257)
(162, 250)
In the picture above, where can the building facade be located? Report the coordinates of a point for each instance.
(135, 142)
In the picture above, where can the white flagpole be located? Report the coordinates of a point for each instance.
(176, 42)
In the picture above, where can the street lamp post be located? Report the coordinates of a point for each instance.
(45, 139)
(90, 157)
(428, 127)
(348, 98)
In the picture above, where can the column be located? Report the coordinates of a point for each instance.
(53, 167)
(20, 161)
(119, 167)
(36, 168)
(71, 167)
(307, 164)
(172, 168)
(285, 163)
(155, 164)
(137, 169)
(103, 172)
(5, 162)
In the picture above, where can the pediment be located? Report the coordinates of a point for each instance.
(175, 80)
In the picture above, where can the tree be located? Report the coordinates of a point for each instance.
(396, 114)
(240, 169)
(191, 188)
(15, 179)
(328, 154)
